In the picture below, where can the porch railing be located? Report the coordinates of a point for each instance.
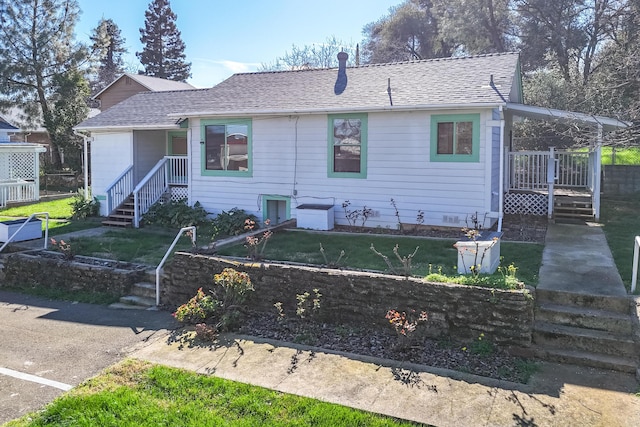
(119, 189)
(170, 170)
(19, 191)
(528, 170)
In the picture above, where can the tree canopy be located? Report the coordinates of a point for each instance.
(163, 49)
(37, 48)
(323, 55)
(107, 50)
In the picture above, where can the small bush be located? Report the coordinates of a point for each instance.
(176, 214)
(197, 309)
(232, 223)
(82, 208)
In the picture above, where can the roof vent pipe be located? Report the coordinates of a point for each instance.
(341, 81)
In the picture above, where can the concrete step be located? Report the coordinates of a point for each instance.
(599, 302)
(136, 300)
(144, 289)
(110, 223)
(548, 335)
(581, 317)
(594, 360)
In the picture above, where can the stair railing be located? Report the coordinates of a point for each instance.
(150, 189)
(119, 189)
(46, 230)
(192, 230)
(634, 274)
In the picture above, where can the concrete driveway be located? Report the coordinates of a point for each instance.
(46, 347)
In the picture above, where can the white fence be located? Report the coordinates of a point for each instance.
(529, 170)
(17, 191)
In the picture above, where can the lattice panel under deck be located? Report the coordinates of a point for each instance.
(179, 193)
(526, 203)
(18, 165)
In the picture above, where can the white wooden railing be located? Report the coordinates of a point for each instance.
(119, 189)
(178, 170)
(572, 169)
(528, 170)
(150, 189)
(20, 191)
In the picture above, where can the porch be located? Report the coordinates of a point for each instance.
(555, 183)
(127, 201)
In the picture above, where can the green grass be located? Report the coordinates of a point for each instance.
(433, 253)
(624, 156)
(140, 245)
(59, 209)
(136, 393)
(621, 225)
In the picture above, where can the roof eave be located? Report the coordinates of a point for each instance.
(274, 112)
(126, 128)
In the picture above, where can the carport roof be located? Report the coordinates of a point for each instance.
(542, 113)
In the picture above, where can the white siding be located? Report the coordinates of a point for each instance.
(111, 154)
(148, 147)
(290, 159)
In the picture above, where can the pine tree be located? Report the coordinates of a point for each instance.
(163, 52)
(37, 47)
(108, 48)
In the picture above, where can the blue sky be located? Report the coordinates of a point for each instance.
(226, 37)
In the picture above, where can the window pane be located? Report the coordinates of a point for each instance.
(347, 131)
(464, 140)
(214, 146)
(346, 158)
(237, 154)
(347, 135)
(445, 138)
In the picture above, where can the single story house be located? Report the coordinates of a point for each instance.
(433, 135)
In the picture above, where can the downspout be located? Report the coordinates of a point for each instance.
(85, 160)
(501, 189)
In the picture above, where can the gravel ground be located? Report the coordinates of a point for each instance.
(478, 357)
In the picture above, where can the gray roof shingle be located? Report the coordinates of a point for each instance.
(415, 84)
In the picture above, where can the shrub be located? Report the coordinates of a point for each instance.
(198, 309)
(176, 214)
(82, 208)
(232, 223)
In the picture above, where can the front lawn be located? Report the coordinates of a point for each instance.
(136, 393)
(432, 255)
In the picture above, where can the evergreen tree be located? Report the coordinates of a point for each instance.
(163, 52)
(108, 48)
(37, 46)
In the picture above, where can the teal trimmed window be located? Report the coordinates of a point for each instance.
(226, 147)
(347, 136)
(455, 138)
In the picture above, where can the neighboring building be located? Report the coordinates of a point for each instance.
(128, 85)
(434, 135)
(6, 129)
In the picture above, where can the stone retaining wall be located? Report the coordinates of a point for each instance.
(360, 298)
(81, 273)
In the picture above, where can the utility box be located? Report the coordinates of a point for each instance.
(315, 216)
(483, 253)
(31, 230)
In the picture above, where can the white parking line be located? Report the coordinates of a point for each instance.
(35, 379)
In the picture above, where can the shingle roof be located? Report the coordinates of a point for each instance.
(420, 84)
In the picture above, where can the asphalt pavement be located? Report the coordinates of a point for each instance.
(49, 346)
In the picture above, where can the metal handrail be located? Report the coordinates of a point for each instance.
(46, 230)
(164, 259)
(634, 274)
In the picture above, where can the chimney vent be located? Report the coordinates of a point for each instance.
(341, 81)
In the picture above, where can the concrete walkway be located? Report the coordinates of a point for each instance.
(577, 258)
